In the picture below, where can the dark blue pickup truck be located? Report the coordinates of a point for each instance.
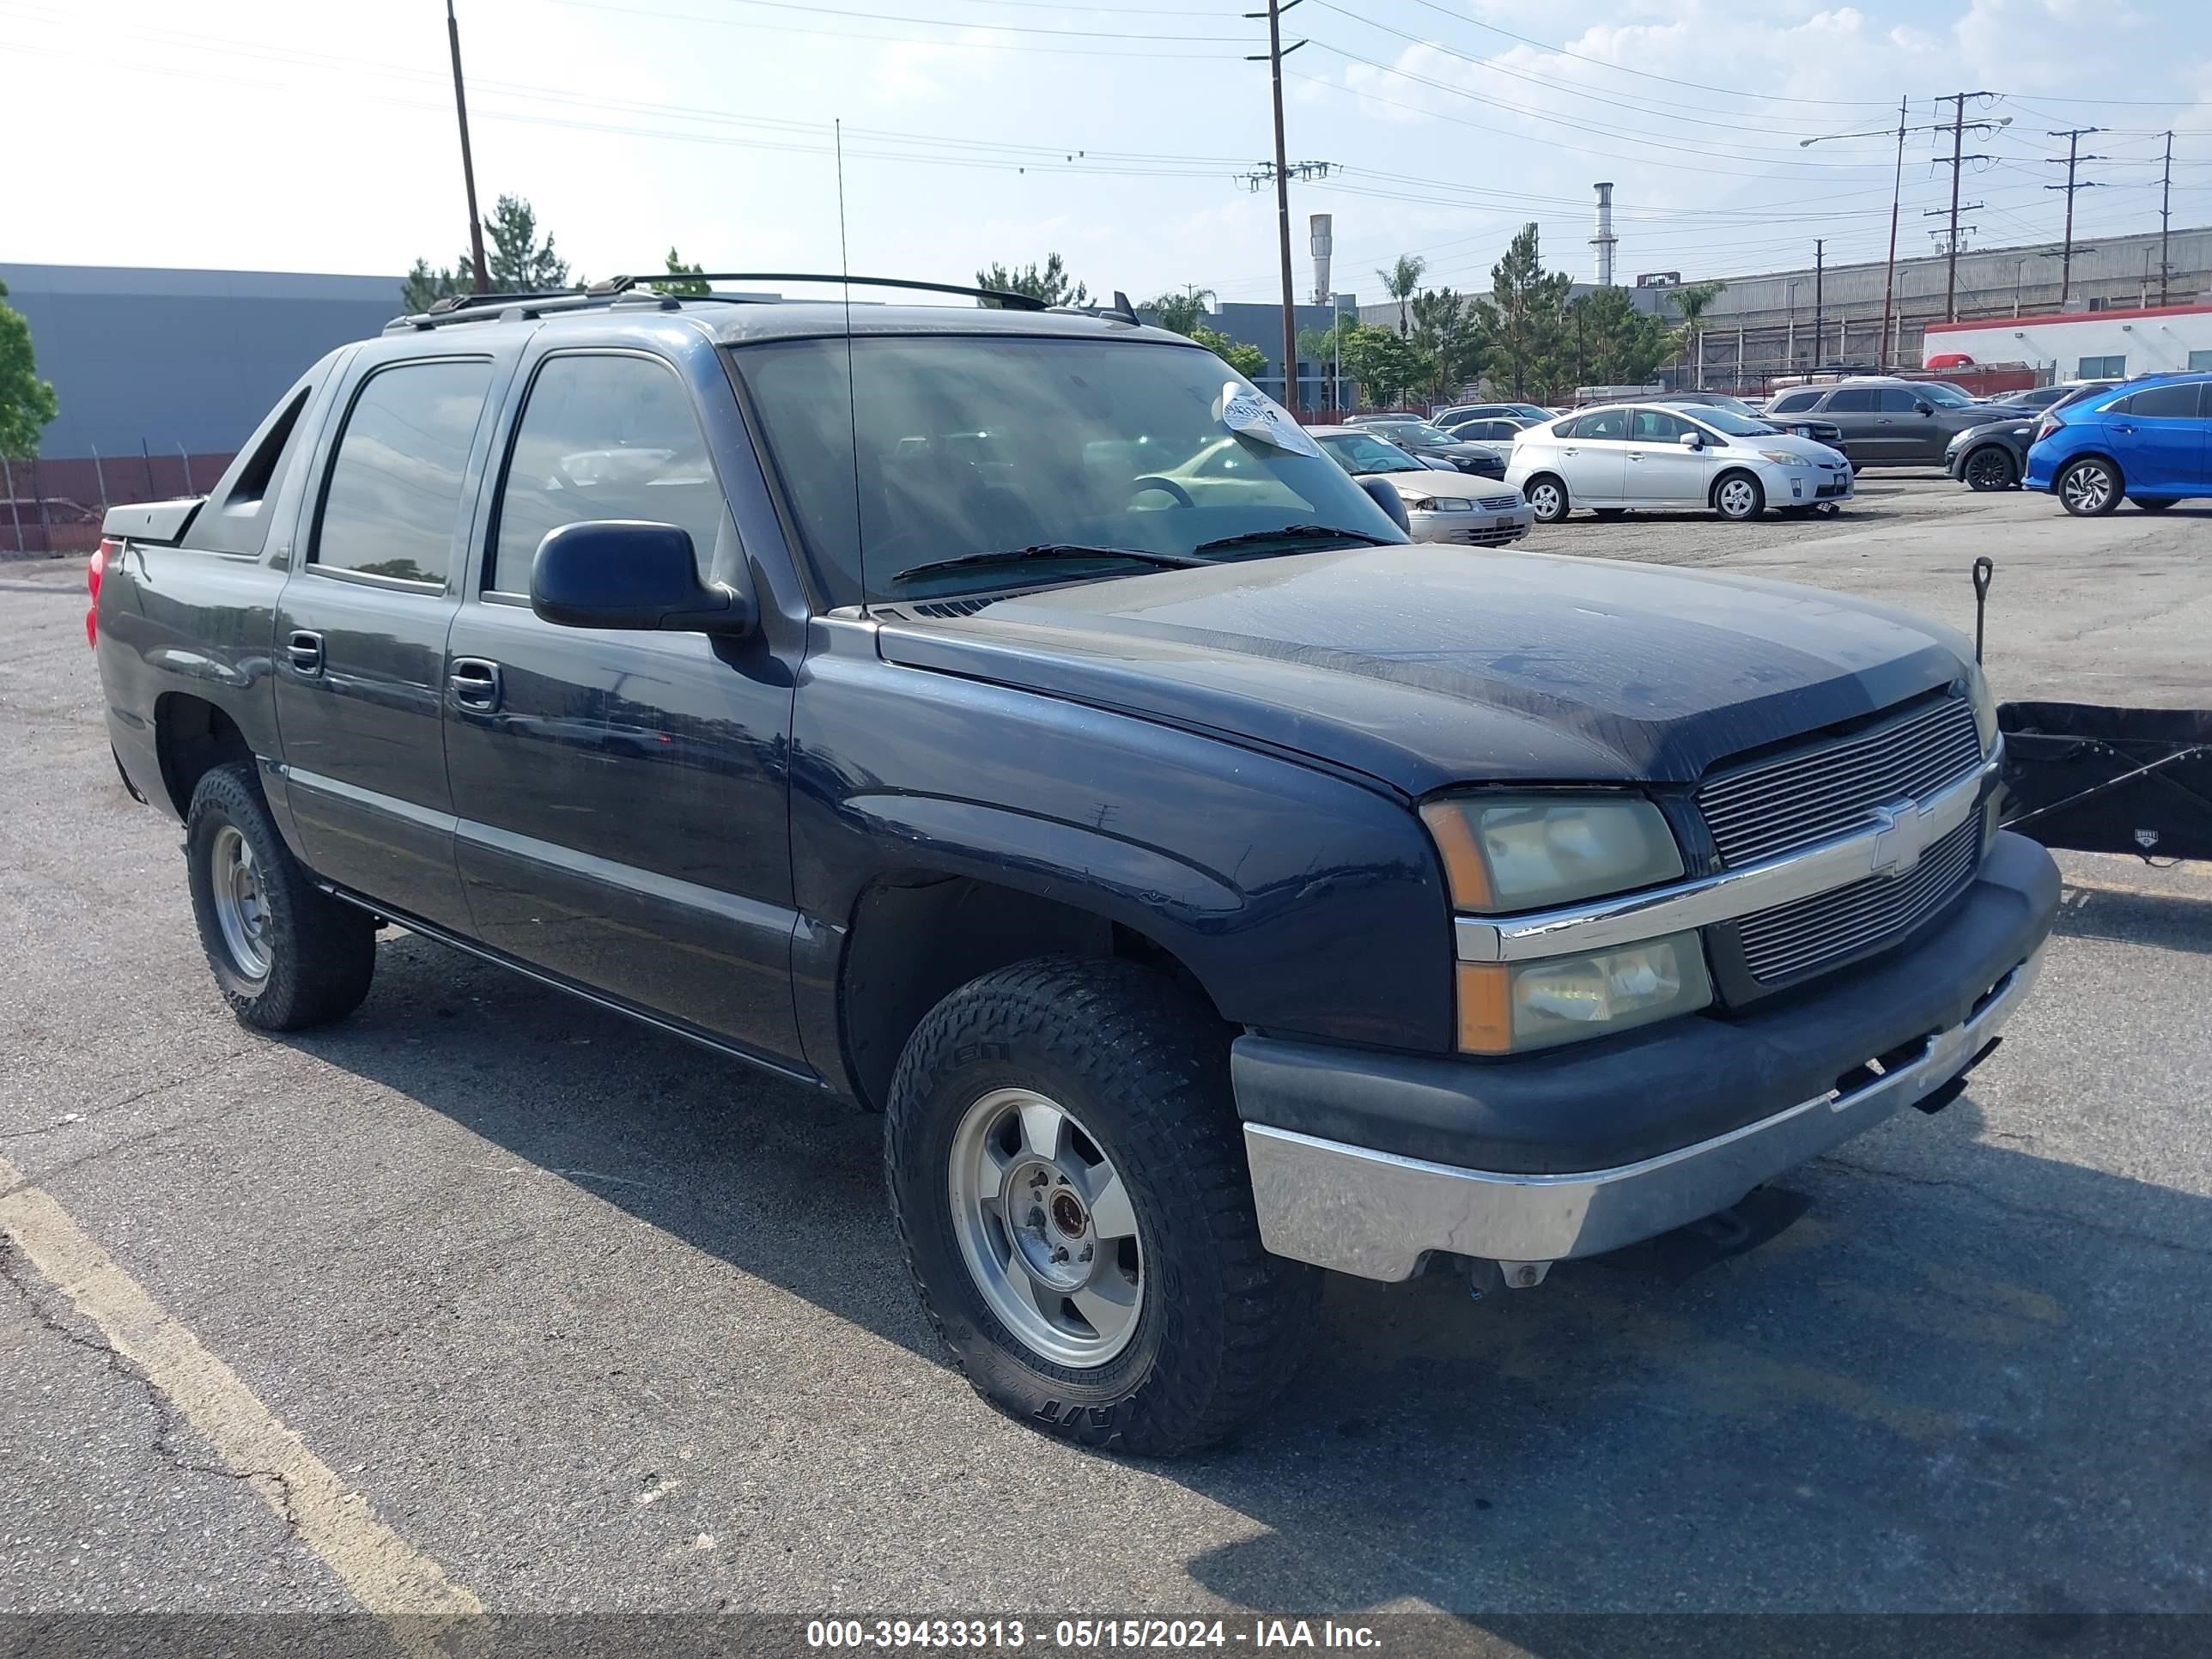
(1008, 720)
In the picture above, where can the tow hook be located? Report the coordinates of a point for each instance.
(1484, 1276)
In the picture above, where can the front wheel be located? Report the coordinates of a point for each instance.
(1547, 499)
(1990, 467)
(1068, 1177)
(1738, 496)
(2089, 488)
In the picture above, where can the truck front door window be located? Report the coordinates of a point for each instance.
(604, 437)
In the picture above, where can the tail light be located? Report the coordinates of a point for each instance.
(107, 549)
(2045, 428)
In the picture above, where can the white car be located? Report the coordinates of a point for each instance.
(1624, 455)
(1455, 506)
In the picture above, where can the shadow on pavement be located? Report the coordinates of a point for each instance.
(1966, 1377)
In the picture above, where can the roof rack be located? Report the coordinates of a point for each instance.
(646, 291)
(1003, 299)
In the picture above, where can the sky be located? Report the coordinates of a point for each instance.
(318, 135)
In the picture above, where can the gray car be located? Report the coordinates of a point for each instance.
(1884, 421)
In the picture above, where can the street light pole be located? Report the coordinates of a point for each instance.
(1889, 277)
(1274, 15)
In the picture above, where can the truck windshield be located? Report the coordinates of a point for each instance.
(969, 444)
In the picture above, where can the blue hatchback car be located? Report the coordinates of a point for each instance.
(2150, 439)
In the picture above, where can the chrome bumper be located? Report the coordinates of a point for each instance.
(1376, 1214)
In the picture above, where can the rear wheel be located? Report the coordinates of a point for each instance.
(1069, 1180)
(1738, 496)
(1548, 498)
(2090, 487)
(285, 954)
(1990, 467)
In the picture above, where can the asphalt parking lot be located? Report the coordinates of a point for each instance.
(588, 1321)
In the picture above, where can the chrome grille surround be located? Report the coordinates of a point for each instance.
(1812, 933)
(1810, 795)
(1506, 503)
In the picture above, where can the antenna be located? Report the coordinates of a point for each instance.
(851, 393)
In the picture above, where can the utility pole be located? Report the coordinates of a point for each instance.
(468, 165)
(2165, 219)
(2073, 136)
(1275, 54)
(1957, 127)
(1820, 307)
(1889, 276)
(1958, 102)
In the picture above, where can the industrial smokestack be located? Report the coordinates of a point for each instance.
(1605, 240)
(1320, 224)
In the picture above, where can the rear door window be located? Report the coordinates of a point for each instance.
(1852, 400)
(604, 436)
(2162, 403)
(1611, 423)
(393, 495)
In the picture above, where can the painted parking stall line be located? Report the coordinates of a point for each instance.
(385, 1574)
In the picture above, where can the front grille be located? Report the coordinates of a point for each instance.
(1828, 489)
(1812, 795)
(1814, 932)
(1489, 536)
(1499, 503)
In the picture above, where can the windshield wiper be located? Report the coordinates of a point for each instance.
(1293, 532)
(1045, 551)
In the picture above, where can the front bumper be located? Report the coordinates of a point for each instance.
(1475, 529)
(1807, 486)
(1365, 1163)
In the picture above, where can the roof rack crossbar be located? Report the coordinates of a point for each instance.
(1003, 299)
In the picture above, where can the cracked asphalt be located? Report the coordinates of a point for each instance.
(595, 1322)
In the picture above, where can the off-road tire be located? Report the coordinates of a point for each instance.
(1145, 1070)
(321, 952)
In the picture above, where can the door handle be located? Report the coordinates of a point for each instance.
(474, 682)
(304, 651)
(1570, 451)
(2127, 430)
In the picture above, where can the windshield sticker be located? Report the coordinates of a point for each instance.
(1255, 415)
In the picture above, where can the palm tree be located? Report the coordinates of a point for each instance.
(1401, 281)
(1692, 302)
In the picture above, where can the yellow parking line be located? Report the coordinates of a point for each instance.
(385, 1573)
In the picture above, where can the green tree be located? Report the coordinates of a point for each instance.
(1614, 343)
(678, 269)
(1050, 284)
(1383, 365)
(1401, 281)
(26, 403)
(1247, 359)
(1448, 337)
(1691, 301)
(1184, 313)
(517, 263)
(1523, 319)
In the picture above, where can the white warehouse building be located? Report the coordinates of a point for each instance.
(2103, 344)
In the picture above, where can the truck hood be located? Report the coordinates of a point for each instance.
(1422, 667)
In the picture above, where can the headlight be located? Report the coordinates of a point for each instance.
(1985, 708)
(1515, 852)
(1449, 504)
(1786, 458)
(1508, 1007)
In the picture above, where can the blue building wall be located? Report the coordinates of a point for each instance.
(180, 358)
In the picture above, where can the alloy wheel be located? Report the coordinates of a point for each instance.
(1046, 1228)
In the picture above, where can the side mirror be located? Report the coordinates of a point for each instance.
(620, 572)
(1692, 440)
(1925, 409)
(1386, 497)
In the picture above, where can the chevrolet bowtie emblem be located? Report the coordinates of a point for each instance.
(1900, 837)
